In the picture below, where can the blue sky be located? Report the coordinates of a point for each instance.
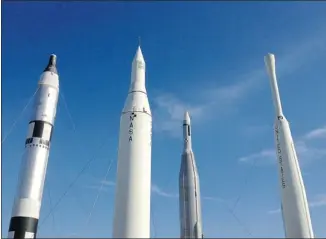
(203, 57)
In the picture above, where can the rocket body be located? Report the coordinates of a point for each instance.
(295, 209)
(133, 184)
(189, 189)
(27, 204)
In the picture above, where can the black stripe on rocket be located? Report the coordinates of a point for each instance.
(188, 129)
(131, 125)
(21, 225)
(40, 134)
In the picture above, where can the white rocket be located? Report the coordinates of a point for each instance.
(295, 209)
(27, 204)
(133, 184)
(189, 190)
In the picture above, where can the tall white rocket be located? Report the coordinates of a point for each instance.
(28, 200)
(295, 209)
(133, 183)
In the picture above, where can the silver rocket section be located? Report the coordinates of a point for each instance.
(295, 209)
(189, 189)
(27, 204)
(133, 183)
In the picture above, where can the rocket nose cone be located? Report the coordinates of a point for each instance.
(52, 65)
(269, 59)
(139, 55)
(53, 60)
(270, 64)
(186, 118)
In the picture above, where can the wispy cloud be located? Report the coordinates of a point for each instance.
(267, 154)
(306, 153)
(108, 183)
(318, 201)
(169, 112)
(156, 190)
(104, 185)
(214, 199)
(316, 134)
(275, 211)
(168, 108)
(160, 192)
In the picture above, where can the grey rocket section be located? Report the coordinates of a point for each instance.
(189, 189)
(28, 199)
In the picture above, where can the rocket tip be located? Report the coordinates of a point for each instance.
(187, 117)
(139, 55)
(53, 60)
(269, 58)
(52, 65)
(270, 54)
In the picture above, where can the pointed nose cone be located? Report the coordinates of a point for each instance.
(138, 72)
(186, 118)
(52, 65)
(139, 56)
(187, 132)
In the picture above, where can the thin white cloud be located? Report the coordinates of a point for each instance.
(97, 187)
(169, 112)
(108, 183)
(318, 201)
(160, 192)
(156, 190)
(102, 185)
(316, 134)
(168, 109)
(306, 153)
(276, 211)
(266, 154)
(214, 199)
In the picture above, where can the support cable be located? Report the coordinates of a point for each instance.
(19, 116)
(86, 166)
(99, 191)
(67, 110)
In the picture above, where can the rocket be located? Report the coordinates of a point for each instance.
(294, 204)
(28, 199)
(133, 181)
(189, 190)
